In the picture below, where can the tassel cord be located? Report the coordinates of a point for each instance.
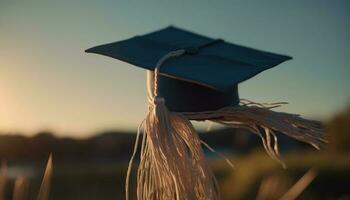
(159, 64)
(127, 179)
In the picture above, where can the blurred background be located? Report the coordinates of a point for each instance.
(84, 108)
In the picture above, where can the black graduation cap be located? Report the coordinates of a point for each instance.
(205, 78)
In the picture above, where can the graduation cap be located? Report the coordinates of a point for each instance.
(194, 77)
(206, 77)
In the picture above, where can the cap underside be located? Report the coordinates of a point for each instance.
(184, 96)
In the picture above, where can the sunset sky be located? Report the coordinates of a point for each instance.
(48, 82)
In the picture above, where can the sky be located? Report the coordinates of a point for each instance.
(47, 82)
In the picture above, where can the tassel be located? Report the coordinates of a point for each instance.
(258, 118)
(172, 163)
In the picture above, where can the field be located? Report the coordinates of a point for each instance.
(95, 168)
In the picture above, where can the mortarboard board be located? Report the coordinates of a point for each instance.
(196, 78)
(206, 77)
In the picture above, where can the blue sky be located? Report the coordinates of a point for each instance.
(48, 82)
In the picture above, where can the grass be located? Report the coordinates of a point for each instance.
(105, 180)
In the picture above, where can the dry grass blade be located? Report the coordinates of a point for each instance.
(300, 186)
(20, 191)
(271, 187)
(3, 179)
(45, 184)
